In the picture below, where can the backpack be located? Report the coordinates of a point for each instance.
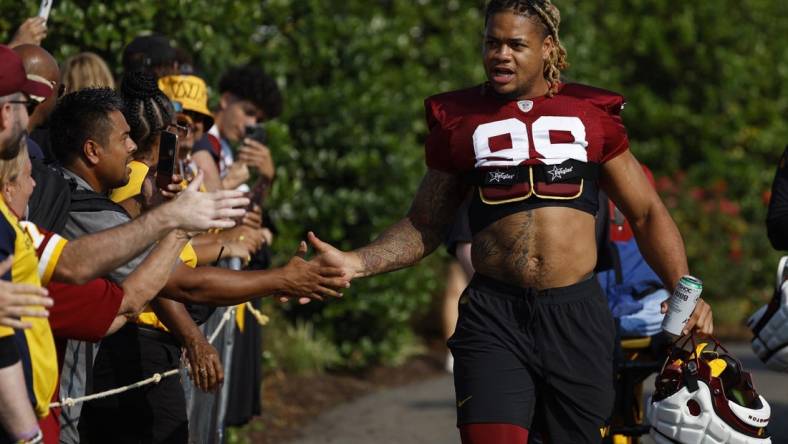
(55, 196)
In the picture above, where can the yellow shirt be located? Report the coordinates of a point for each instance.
(36, 253)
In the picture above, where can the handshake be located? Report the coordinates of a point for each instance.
(323, 276)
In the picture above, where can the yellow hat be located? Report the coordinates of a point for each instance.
(190, 91)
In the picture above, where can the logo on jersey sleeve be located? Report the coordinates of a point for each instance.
(48, 247)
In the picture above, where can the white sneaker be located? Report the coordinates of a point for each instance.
(449, 362)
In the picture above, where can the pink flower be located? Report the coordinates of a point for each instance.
(729, 208)
(697, 193)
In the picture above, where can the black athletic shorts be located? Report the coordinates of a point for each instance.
(542, 360)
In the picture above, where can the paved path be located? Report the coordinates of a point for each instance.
(424, 413)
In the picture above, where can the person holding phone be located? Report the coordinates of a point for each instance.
(32, 31)
(248, 98)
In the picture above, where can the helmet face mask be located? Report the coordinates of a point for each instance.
(706, 396)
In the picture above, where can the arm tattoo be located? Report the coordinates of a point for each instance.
(421, 231)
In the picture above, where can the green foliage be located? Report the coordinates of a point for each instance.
(297, 348)
(218, 34)
(705, 81)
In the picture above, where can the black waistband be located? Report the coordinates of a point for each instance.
(557, 295)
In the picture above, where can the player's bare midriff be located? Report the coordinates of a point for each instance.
(542, 248)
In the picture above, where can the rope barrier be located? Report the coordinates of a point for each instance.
(157, 377)
(225, 317)
(71, 402)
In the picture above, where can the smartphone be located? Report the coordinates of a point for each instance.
(168, 155)
(43, 10)
(256, 132)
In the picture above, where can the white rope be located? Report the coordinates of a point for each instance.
(71, 402)
(230, 312)
(154, 379)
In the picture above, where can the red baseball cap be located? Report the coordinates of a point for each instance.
(13, 78)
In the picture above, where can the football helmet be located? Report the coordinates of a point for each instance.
(769, 325)
(704, 396)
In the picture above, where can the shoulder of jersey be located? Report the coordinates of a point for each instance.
(473, 93)
(608, 101)
(454, 101)
(447, 108)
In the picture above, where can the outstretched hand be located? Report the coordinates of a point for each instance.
(330, 256)
(701, 321)
(193, 210)
(311, 280)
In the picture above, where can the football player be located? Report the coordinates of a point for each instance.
(533, 346)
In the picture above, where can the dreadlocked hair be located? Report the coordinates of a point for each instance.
(146, 109)
(550, 18)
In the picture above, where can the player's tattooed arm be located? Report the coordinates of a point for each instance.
(422, 230)
(416, 235)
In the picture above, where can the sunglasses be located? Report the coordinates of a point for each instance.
(185, 121)
(177, 128)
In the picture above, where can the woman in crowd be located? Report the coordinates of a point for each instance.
(86, 70)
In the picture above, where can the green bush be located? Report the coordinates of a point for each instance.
(297, 348)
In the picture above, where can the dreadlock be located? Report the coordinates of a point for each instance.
(550, 18)
(147, 109)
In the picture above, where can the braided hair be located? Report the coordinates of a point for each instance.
(147, 110)
(549, 17)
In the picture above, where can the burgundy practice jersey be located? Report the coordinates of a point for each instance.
(547, 140)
